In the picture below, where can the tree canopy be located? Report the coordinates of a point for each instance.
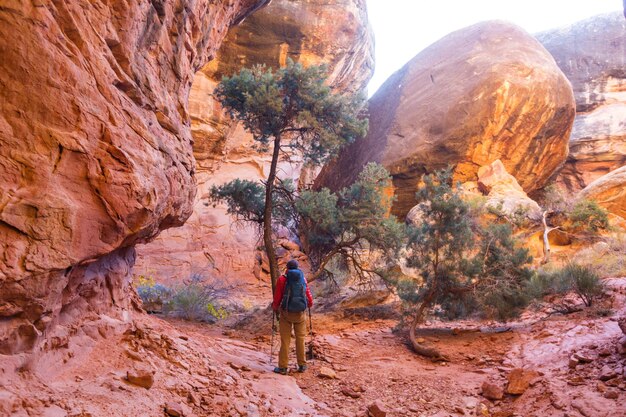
(290, 111)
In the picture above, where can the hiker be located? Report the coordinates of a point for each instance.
(291, 299)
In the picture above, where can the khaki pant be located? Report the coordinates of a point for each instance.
(298, 322)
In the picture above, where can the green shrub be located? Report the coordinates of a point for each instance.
(584, 282)
(197, 300)
(580, 279)
(152, 294)
(588, 215)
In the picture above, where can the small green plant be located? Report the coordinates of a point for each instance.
(576, 278)
(194, 300)
(584, 282)
(589, 216)
(152, 294)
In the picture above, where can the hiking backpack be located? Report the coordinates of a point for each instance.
(294, 297)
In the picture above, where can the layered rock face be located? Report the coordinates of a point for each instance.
(592, 54)
(486, 92)
(96, 150)
(335, 33)
(609, 191)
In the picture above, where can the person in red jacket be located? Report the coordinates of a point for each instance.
(291, 299)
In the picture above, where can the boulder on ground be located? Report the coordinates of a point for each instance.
(504, 193)
(486, 92)
(609, 191)
(377, 409)
(519, 380)
(492, 391)
(141, 377)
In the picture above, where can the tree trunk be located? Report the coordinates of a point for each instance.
(420, 349)
(546, 241)
(267, 215)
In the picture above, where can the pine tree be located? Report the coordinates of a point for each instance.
(289, 110)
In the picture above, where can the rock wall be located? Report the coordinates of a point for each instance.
(335, 33)
(592, 54)
(486, 92)
(96, 150)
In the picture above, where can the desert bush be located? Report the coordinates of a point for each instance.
(152, 294)
(576, 278)
(198, 299)
(584, 282)
(589, 216)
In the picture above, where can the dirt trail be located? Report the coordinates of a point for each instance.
(203, 370)
(372, 363)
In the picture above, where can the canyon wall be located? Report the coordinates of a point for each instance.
(96, 149)
(483, 93)
(592, 54)
(335, 33)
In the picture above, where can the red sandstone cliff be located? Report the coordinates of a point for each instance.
(335, 33)
(96, 150)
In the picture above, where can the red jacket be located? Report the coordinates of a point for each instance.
(280, 290)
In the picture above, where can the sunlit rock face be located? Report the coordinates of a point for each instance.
(504, 194)
(592, 54)
(486, 92)
(335, 33)
(96, 149)
(609, 191)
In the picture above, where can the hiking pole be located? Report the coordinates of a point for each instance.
(272, 338)
(311, 354)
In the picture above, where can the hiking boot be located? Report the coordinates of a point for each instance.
(302, 368)
(282, 371)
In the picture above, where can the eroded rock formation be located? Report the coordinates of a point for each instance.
(335, 33)
(96, 151)
(609, 191)
(486, 92)
(592, 54)
(504, 194)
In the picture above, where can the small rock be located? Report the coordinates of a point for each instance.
(350, 393)
(573, 362)
(492, 391)
(173, 409)
(519, 380)
(326, 372)
(611, 394)
(140, 377)
(607, 373)
(377, 409)
(482, 410)
(583, 358)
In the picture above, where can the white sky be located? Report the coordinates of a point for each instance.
(405, 27)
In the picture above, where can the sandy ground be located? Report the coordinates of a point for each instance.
(207, 370)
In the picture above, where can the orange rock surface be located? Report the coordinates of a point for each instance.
(592, 54)
(96, 150)
(486, 92)
(335, 33)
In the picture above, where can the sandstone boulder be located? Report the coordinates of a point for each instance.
(519, 380)
(95, 146)
(486, 92)
(491, 391)
(609, 191)
(505, 194)
(592, 54)
(335, 33)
